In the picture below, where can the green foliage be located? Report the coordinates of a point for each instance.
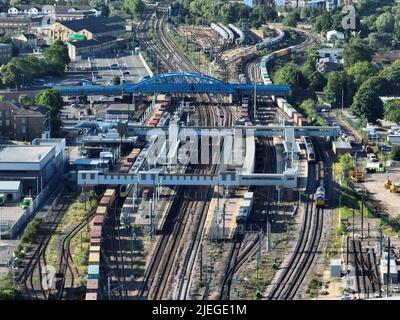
(392, 111)
(323, 23)
(23, 70)
(361, 71)
(395, 153)
(289, 74)
(355, 51)
(9, 290)
(57, 58)
(135, 7)
(385, 22)
(51, 99)
(392, 76)
(24, 100)
(339, 82)
(366, 102)
(207, 11)
(31, 230)
(317, 81)
(309, 108)
(291, 19)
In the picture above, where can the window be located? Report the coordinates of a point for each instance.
(83, 175)
(92, 176)
(7, 122)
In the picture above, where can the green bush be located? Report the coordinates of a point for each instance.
(9, 290)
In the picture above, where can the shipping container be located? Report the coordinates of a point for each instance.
(96, 232)
(98, 220)
(94, 249)
(153, 122)
(92, 284)
(91, 296)
(101, 210)
(94, 258)
(158, 114)
(95, 241)
(111, 192)
(105, 201)
(93, 271)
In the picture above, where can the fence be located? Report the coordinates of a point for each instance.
(146, 66)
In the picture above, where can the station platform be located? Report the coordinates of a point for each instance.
(215, 228)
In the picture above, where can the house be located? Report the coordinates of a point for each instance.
(330, 52)
(24, 23)
(333, 35)
(5, 52)
(22, 124)
(7, 110)
(58, 12)
(92, 27)
(328, 65)
(25, 41)
(30, 123)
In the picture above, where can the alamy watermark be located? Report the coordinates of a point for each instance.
(203, 146)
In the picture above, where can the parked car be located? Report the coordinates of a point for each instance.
(373, 157)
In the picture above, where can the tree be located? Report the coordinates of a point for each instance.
(57, 58)
(385, 22)
(392, 111)
(52, 99)
(135, 7)
(395, 153)
(24, 100)
(339, 86)
(366, 102)
(291, 19)
(361, 71)
(323, 22)
(317, 81)
(289, 74)
(392, 76)
(116, 80)
(380, 40)
(355, 51)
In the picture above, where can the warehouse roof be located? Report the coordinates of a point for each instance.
(10, 185)
(90, 23)
(24, 153)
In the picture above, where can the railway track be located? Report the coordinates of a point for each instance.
(66, 264)
(32, 275)
(366, 270)
(307, 245)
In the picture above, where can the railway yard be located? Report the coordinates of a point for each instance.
(200, 181)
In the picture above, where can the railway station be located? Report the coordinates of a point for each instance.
(182, 167)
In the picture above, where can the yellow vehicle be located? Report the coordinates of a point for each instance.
(388, 183)
(394, 188)
(357, 175)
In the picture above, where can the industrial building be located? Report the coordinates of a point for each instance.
(90, 28)
(33, 165)
(11, 190)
